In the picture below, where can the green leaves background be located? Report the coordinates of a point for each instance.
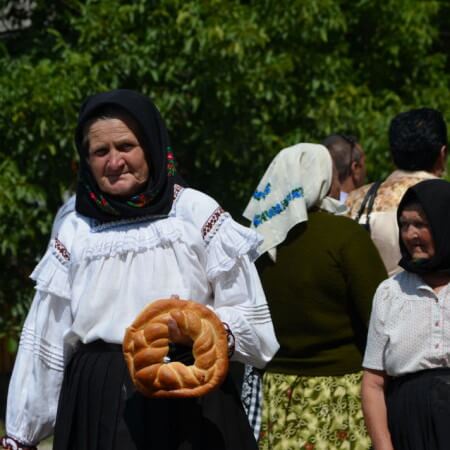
(236, 81)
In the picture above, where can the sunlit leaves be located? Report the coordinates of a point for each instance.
(235, 81)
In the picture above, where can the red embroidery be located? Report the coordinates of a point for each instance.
(213, 218)
(62, 250)
(176, 190)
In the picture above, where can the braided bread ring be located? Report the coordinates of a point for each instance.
(146, 345)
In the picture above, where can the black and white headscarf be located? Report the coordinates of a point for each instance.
(157, 196)
(434, 198)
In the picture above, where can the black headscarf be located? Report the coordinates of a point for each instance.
(434, 198)
(157, 196)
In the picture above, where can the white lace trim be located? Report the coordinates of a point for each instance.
(131, 238)
(229, 242)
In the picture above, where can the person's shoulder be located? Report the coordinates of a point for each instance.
(193, 198)
(394, 187)
(198, 208)
(194, 204)
(68, 222)
(387, 290)
(342, 225)
(67, 209)
(397, 284)
(406, 281)
(355, 198)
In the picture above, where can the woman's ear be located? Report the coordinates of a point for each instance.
(335, 188)
(440, 166)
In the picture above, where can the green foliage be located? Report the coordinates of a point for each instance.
(235, 80)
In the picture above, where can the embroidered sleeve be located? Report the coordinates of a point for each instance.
(212, 223)
(51, 274)
(61, 251)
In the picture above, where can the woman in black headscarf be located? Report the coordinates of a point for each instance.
(133, 234)
(406, 383)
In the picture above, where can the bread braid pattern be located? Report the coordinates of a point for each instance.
(146, 348)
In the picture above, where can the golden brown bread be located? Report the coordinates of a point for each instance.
(146, 346)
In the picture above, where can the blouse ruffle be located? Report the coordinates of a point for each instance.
(51, 274)
(230, 242)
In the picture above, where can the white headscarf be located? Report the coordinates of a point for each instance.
(298, 178)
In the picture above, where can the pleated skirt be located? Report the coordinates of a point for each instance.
(99, 409)
(418, 408)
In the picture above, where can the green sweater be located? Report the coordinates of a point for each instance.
(320, 293)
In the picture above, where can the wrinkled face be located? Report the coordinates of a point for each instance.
(415, 232)
(116, 159)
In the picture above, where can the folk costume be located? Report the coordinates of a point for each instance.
(319, 272)
(107, 259)
(409, 333)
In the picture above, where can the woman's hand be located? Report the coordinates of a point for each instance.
(9, 443)
(176, 336)
(374, 408)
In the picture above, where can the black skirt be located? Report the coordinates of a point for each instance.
(418, 408)
(99, 409)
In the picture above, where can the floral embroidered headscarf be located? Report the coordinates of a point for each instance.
(298, 178)
(156, 198)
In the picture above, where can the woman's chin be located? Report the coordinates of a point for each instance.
(420, 259)
(120, 188)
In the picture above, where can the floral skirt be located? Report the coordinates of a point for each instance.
(312, 413)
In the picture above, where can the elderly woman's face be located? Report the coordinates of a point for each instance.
(116, 159)
(416, 233)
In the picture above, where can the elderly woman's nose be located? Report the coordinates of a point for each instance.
(413, 231)
(115, 159)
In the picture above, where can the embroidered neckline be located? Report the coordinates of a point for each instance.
(98, 227)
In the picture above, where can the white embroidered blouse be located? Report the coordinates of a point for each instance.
(409, 327)
(94, 280)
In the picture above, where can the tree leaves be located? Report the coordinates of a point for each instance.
(235, 81)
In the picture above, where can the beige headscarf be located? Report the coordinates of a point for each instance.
(298, 178)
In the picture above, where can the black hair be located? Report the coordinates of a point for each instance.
(416, 138)
(343, 149)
